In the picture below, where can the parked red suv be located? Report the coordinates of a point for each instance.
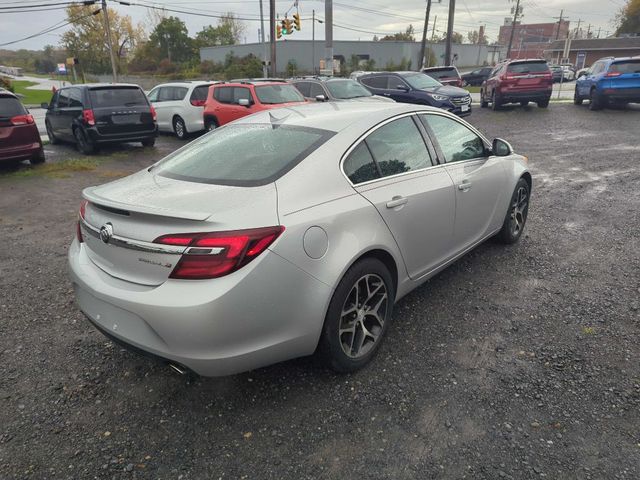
(229, 101)
(19, 137)
(445, 75)
(517, 81)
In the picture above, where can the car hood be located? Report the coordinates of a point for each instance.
(372, 98)
(447, 90)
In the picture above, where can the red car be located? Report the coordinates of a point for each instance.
(19, 137)
(518, 81)
(445, 75)
(229, 101)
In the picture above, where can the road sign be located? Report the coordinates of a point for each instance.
(62, 69)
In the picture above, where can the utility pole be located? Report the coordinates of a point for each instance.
(599, 28)
(272, 37)
(313, 42)
(589, 31)
(559, 23)
(423, 45)
(328, 34)
(578, 28)
(513, 28)
(433, 36)
(106, 27)
(264, 46)
(447, 49)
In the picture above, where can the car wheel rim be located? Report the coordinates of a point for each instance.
(519, 209)
(363, 315)
(179, 129)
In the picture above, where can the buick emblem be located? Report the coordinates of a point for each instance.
(106, 232)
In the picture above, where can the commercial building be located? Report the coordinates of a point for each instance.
(307, 54)
(530, 40)
(586, 51)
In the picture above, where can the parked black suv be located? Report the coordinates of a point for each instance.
(90, 115)
(416, 87)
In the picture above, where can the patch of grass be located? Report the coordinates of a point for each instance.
(30, 97)
(471, 89)
(62, 169)
(589, 330)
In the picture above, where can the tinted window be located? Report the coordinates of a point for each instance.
(10, 107)
(75, 98)
(271, 94)
(347, 89)
(396, 83)
(223, 94)
(200, 93)
(243, 154)
(241, 93)
(456, 141)
(166, 94)
(63, 98)
(445, 73)
(376, 82)
(628, 66)
(398, 147)
(116, 97)
(420, 80)
(359, 165)
(528, 67)
(304, 87)
(316, 90)
(179, 93)
(597, 68)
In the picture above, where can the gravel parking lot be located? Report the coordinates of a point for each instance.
(516, 362)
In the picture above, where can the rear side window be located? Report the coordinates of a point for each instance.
(223, 94)
(272, 94)
(10, 107)
(243, 155)
(456, 141)
(117, 97)
(376, 82)
(628, 66)
(200, 93)
(528, 67)
(359, 165)
(179, 93)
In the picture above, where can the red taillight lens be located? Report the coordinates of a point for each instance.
(154, 115)
(88, 117)
(197, 103)
(83, 208)
(81, 212)
(212, 255)
(22, 120)
(613, 74)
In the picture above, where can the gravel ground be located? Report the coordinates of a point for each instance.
(516, 362)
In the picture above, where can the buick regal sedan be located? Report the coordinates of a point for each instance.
(290, 232)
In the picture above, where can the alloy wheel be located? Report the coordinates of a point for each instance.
(519, 210)
(363, 315)
(178, 126)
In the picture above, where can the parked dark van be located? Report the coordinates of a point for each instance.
(91, 115)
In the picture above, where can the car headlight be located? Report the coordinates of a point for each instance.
(438, 98)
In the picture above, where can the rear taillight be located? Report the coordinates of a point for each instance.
(154, 115)
(212, 255)
(197, 103)
(613, 74)
(88, 117)
(81, 212)
(22, 120)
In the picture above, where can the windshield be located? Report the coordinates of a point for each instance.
(628, 66)
(243, 155)
(347, 89)
(117, 97)
(10, 107)
(529, 67)
(420, 80)
(272, 94)
(443, 73)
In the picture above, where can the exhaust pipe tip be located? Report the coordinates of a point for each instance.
(178, 369)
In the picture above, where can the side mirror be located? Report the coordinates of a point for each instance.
(244, 102)
(321, 98)
(404, 88)
(501, 148)
(44, 105)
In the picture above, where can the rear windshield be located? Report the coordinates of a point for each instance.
(117, 97)
(528, 67)
(200, 92)
(10, 107)
(347, 89)
(284, 93)
(442, 73)
(243, 155)
(628, 66)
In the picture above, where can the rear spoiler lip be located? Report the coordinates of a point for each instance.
(89, 195)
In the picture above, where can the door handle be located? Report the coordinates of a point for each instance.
(464, 186)
(397, 201)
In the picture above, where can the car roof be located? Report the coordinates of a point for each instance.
(248, 83)
(184, 83)
(439, 68)
(333, 116)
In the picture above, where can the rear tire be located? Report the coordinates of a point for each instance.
(179, 128)
(149, 142)
(84, 145)
(543, 103)
(38, 157)
(358, 316)
(595, 102)
(210, 124)
(524, 103)
(53, 140)
(495, 101)
(516, 218)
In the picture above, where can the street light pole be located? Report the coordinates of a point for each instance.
(106, 27)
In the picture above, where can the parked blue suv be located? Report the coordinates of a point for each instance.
(609, 81)
(416, 87)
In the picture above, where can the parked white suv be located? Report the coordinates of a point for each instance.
(179, 106)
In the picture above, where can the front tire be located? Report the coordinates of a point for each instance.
(210, 124)
(577, 99)
(179, 128)
(483, 102)
(516, 217)
(37, 158)
(53, 140)
(84, 145)
(358, 316)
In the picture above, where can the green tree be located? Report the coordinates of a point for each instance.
(228, 31)
(628, 18)
(474, 37)
(172, 41)
(455, 38)
(406, 36)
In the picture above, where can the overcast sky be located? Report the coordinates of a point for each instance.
(383, 17)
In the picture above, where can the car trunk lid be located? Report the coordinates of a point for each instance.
(527, 76)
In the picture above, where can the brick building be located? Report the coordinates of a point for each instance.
(530, 40)
(586, 51)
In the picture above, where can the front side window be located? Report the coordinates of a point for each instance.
(457, 142)
(153, 95)
(242, 155)
(398, 147)
(75, 98)
(420, 80)
(166, 94)
(304, 87)
(359, 165)
(241, 93)
(63, 99)
(274, 94)
(347, 89)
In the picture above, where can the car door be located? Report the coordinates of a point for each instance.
(590, 79)
(492, 81)
(62, 128)
(399, 90)
(52, 116)
(166, 106)
(395, 169)
(377, 84)
(73, 111)
(478, 176)
(155, 96)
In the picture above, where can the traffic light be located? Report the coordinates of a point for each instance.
(296, 21)
(278, 31)
(289, 27)
(283, 27)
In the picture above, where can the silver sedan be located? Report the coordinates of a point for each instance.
(290, 232)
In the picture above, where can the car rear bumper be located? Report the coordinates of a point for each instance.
(223, 326)
(21, 152)
(532, 96)
(122, 137)
(622, 94)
